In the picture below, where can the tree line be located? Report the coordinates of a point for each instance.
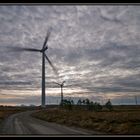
(89, 105)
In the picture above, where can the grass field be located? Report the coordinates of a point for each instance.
(122, 120)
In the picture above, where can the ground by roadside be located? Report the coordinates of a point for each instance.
(114, 122)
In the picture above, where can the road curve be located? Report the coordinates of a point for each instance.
(22, 123)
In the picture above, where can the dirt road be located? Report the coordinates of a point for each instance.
(23, 124)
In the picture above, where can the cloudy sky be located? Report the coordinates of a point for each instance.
(95, 48)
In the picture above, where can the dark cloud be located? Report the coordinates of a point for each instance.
(132, 82)
(120, 56)
(14, 83)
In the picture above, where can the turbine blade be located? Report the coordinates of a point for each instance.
(31, 49)
(57, 83)
(46, 39)
(54, 69)
(23, 49)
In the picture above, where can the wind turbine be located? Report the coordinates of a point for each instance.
(61, 86)
(44, 48)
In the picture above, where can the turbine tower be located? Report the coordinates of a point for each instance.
(44, 48)
(61, 86)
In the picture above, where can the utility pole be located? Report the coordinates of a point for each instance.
(136, 100)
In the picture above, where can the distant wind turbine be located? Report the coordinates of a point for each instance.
(61, 86)
(44, 48)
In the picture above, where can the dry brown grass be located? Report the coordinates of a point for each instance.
(114, 122)
(7, 111)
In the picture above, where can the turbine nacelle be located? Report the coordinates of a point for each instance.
(44, 49)
(63, 83)
(60, 84)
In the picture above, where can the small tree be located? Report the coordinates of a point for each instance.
(72, 102)
(87, 102)
(97, 106)
(83, 102)
(91, 106)
(68, 104)
(79, 102)
(108, 105)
